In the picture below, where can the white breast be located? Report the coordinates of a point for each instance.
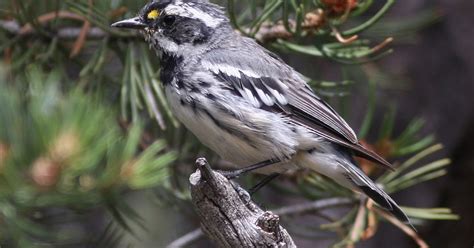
(228, 146)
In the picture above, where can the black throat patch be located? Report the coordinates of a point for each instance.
(169, 68)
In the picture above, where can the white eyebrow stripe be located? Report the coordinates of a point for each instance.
(189, 11)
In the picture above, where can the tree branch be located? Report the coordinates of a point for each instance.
(228, 217)
(290, 210)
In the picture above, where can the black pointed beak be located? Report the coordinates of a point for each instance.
(132, 23)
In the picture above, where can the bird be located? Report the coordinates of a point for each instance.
(245, 103)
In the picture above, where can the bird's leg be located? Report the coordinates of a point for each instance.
(262, 183)
(236, 173)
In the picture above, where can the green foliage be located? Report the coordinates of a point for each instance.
(84, 118)
(68, 152)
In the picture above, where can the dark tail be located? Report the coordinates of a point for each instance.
(386, 202)
(368, 187)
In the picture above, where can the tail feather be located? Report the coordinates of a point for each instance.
(387, 203)
(368, 187)
(343, 169)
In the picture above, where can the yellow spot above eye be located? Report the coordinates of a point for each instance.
(153, 15)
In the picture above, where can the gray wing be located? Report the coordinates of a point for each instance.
(268, 83)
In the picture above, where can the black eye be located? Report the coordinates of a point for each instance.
(169, 20)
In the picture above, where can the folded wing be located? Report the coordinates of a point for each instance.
(268, 83)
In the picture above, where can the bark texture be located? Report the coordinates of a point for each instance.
(228, 216)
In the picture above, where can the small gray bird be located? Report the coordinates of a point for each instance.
(245, 103)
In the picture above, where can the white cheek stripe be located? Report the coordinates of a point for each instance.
(168, 45)
(187, 10)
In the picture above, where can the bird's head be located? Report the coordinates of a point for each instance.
(177, 27)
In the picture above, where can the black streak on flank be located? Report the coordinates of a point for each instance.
(179, 83)
(204, 84)
(211, 97)
(189, 103)
(229, 130)
(197, 109)
(194, 89)
(194, 105)
(312, 150)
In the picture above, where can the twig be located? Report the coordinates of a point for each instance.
(382, 45)
(271, 31)
(359, 223)
(186, 239)
(372, 222)
(67, 33)
(314, 206)
(28, 28)
(81, 39)
(342, 39)
(406, 229)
